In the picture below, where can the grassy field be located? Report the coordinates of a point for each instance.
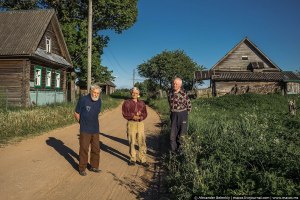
(18, 123)
(236, 145)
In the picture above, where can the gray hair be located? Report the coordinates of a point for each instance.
(134, 88)
(96, 87)
(178, 79)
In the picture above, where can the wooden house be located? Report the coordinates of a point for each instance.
(108, 87)
(34, 59)
(245, 69)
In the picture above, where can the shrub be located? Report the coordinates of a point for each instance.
(238, 145)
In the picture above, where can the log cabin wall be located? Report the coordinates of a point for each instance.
(232, 87)
(293, 88)
(14, 81)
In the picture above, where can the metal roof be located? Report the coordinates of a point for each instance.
(255, 76)
(21, 31)
(52, 57)
(247, 76)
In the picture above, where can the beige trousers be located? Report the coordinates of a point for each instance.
(135, 133)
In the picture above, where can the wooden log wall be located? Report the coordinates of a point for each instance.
(13, 81)
(223, 88)
(54, 42)
(234, 61)
(293, 88)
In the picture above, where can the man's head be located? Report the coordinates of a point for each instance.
(135, 93)
(95, 92)
(177, 83)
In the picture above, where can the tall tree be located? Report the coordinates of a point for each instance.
(164, 67)
(117, 15)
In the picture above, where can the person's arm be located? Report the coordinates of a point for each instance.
(77, 117)
(188, 104)
(77, 110)
(126, 111)
(143, 114)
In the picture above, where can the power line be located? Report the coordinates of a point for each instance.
(116, 60)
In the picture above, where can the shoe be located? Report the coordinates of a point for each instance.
(82, 173)
(145, 164)
(93, 169)
(131, 163)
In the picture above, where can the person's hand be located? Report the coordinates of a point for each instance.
(135, 117)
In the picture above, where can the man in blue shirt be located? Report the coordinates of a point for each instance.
(86, 113)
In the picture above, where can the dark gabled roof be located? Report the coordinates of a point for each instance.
(21, 32)
(286, 76)
(248, 42)
(254, 76)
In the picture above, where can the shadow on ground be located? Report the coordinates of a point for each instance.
(64, 151)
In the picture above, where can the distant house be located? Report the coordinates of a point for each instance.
(245, 69)
(108, 87)
(34, 59)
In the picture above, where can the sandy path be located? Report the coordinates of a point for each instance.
(45, 167)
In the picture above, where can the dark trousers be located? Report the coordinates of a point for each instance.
(85, 140)
(179, 122)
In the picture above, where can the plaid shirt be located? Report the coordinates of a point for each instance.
(179, 101)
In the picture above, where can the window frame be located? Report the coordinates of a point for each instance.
(57, 73)
(46, 78)
(36, 69)
(48, 45)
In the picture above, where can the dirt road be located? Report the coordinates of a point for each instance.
(45, 167)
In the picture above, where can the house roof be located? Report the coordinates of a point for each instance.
(255, 76)
(21, 32)
(253, 46)
(286, 76)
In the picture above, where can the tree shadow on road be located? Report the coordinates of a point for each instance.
(64, 151)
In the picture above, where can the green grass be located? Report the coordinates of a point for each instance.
(23, 122)
(237, 145)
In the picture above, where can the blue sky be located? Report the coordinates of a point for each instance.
(205, 30)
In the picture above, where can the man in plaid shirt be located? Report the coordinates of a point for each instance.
(180, 107)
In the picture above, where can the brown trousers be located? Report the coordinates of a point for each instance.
(85, 140)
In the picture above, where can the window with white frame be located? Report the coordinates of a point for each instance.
(48, 45)
(38, 76)
(57, 79)
(48, 78)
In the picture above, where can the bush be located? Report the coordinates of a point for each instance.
(238, 145)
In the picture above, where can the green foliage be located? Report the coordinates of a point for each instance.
(23, 122)
(164, 67)
(147, 88)
(238, 145)
(121, 94)
(116, 15)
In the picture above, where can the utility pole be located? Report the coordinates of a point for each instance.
(133, 78)
(90, 19)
